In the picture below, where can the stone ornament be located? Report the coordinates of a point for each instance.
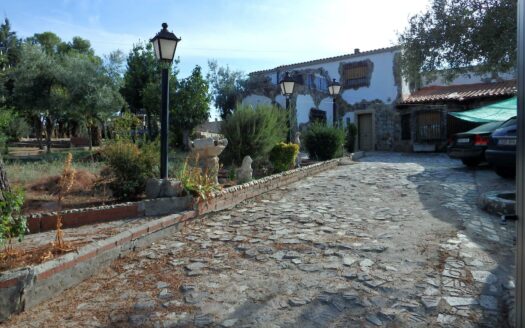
(159, 188)
(297, 139)
(206, 151)
(244, 173)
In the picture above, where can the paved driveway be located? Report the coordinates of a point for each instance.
(395, 240)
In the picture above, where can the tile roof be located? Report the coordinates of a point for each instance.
(461, 92)
(328, 59)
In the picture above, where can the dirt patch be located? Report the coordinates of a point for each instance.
(26, 257)
(84, 183)
(88, 190)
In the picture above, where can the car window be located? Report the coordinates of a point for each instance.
(486, 128)
(510, 122)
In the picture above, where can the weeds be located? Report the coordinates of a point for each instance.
(200, 184)
(12, 223)
(65, 183)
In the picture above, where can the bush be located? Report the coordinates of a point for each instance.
(323, 142)
(283, 156)
(253, 131)
(199, 184)
(12, 224)
(130, 167)
(351, 132)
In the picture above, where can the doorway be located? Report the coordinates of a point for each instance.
(365, 128)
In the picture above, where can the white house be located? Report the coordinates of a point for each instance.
(371, 85)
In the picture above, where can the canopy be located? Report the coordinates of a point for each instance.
(500, 111)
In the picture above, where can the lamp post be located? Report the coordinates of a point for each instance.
(520, 172)
(334, 88)
(287, 87)
(165, 44)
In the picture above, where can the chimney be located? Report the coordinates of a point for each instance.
(356, 51)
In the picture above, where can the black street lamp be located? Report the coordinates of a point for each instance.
(287, 87)
(334, 88)
(165, 44)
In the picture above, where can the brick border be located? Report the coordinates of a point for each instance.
(24, 288)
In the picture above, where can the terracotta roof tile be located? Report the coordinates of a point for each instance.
(461, 92)
(328, 59)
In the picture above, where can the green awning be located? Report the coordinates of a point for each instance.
(500, 111)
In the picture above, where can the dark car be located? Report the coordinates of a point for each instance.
(501, 151)
(470, 146)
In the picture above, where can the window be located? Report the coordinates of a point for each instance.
(429, 126)
(357, 74)
(317, 115)
(405, 127)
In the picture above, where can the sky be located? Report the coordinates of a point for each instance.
(246, 35)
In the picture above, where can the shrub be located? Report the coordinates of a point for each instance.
(197, 183)
(253, 131)
(125, 125)
(130, 167)
(351, 132)
(283, 156)
(323, 142)
(12, 224)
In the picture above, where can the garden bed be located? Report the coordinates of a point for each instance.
(37, 248)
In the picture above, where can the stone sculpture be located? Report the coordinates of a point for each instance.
(244, 173)
(207, 151)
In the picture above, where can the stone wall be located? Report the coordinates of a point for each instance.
(388, 127)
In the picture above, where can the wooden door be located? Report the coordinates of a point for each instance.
(365, 132)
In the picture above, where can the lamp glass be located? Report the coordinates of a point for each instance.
(167, 49)
(287, 87)
(334, 88)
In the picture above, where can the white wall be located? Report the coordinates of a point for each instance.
(327, 105)
(303, 105)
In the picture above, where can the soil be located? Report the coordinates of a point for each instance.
(87, 190)
(17, 258)
(38, 248)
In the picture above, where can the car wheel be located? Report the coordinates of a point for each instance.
(505, 171)
(471, 162)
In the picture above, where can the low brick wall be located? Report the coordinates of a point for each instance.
(77, 217)
(24, 288)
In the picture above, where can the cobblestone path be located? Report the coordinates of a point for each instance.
(392, 241)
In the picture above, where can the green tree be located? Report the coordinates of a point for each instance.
(142, 71)
(92, 94)
(9, 56)
(191, 105)
(49, 41)
(227, 87)
(38, 89)
(114, 66)
(460, 36)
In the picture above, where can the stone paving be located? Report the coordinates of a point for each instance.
(392, 241)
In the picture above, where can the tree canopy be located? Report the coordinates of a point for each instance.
(227, 87)
(458, 36)
(191, 105)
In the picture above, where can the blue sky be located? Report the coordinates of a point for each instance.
(247, 35)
